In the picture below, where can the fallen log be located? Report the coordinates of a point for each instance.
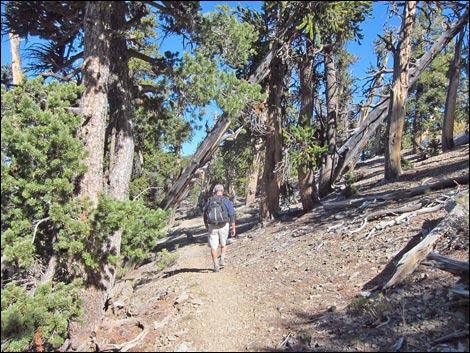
(459, 268)
(397, 195)
(457, 217)
(400, 219)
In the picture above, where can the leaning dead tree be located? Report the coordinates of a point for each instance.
(456, 220)
(212, 140)
(364, 131)
(346, 153)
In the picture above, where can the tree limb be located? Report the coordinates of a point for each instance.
(410, 260)
(397, 195)
(459, 268)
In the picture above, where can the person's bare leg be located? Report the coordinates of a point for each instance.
(222, 255)
(215, 259)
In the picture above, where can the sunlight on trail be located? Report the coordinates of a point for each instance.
(220, 316)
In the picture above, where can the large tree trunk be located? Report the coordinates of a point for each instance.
(202, 155)
(17, 73)
(326, 174)
(376, 117)
(451, 99)
(120, 107)
(269, 204)
(305, 171)
(94, 103)
(399, 94)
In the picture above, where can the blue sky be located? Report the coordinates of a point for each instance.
(370, 29)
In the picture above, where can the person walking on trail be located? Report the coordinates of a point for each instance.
(219, 217)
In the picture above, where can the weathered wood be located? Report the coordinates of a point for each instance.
(459, 268)
(210, 143)
(376, 117)
(410, 260)
(459, 291)
(407, 212)
(403, 217)
(17, 73)
(200, 158)
(397, 195)
(451, 336)
(394, 211)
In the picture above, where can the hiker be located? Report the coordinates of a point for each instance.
(219, 215)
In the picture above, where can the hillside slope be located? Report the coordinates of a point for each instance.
(304, 282)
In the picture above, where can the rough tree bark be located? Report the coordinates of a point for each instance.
(94, 102)
(399, 94)
(451, 99)
(326, 174)
(376, 117)
(93, 105)
(305, 171)
(271, 181)
(120, 108)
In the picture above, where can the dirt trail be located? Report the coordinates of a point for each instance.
(297, 284)
(222, 308)
(209, 312)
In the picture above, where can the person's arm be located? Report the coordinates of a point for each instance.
(204, 216)
(231, 213)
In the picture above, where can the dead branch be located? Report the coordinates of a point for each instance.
(360, 228)
(392, 211)
(410, 260)
(451, 336)
(405, 216)
(335, 227)
(398, 195)
(402, 218)
(459, 268)
(36, 228)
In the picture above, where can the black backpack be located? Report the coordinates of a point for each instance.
(216, 211)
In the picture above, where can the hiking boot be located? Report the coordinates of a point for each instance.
(222, 263)
(216, 268)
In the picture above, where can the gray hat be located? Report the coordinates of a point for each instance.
(218, 187)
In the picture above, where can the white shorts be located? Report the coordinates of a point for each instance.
(217, 235)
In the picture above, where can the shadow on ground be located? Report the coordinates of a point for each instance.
(197, 234)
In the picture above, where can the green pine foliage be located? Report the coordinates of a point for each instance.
(42, 161)
(140, 225)
(302, 146)
(208, 75)
(223, 37)
(43, 313)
